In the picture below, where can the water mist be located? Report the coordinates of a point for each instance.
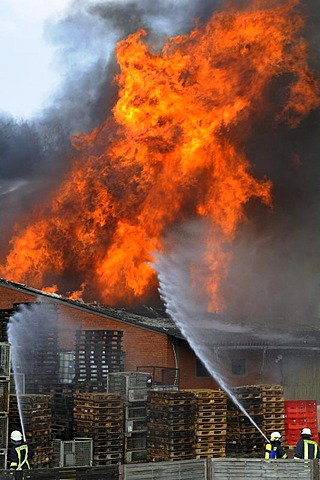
(196, 326)
(25, 340)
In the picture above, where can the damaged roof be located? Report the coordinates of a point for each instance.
(154, 322)
(215, 330)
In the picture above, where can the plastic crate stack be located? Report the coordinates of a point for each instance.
(265, 406)
(100, 416)
(37, 419)
(210, 423)
(133, 388)
(300, 414)
(98, 353)
(5, 367)
(171, 424)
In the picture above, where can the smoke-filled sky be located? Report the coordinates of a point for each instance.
(60, 62)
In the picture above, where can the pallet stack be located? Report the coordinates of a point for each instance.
(100, 416)
(98, 353)
(170, 425)
(210, 423)
(265, 407)
(36, 415)
(39, 355)
(5, 314)
(62, 412)
(5, 367)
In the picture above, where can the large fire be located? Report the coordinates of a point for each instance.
(168, 155)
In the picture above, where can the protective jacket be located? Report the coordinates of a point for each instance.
(274, 450)
(20, 454)
(306, 448)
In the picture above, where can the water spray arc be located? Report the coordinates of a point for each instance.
(173, 285)
(15, 369)
(22, 336)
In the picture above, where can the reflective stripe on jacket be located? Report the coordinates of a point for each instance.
(306, 449)
(19, 457)
(274, 451)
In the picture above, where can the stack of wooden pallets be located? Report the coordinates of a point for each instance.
(171, 419)
(62, 412)
(98, 353)
(40, 353)
(100, 416)
(5, 314)
(265, 407)
(36, 414)
(210, 423)
(5, 369)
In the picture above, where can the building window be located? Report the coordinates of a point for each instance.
(201, 371)
(238, 367)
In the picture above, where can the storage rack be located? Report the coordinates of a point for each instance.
(133, 387)
(72, 453)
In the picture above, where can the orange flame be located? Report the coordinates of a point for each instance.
(168, 154)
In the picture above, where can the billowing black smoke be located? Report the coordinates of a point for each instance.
(276, 254)
(275, 272)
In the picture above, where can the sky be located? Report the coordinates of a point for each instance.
(29, 73)
(42, 41)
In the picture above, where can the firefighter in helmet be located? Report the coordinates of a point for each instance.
(20, 452)
(274, 449)
(306, 448)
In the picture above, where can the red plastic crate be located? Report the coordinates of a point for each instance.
(294, 407)
(300, 414)
(302, 422)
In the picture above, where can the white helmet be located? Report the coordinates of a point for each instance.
(16, 436)
(275, 436)
(306, 431)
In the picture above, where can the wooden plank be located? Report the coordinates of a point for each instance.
(182, 470)
(238, 469)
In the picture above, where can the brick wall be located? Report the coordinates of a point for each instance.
(9, 296)
(141, 347)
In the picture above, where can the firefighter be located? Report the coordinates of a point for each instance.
(306, 448)
(20, 452)
(274, 448)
